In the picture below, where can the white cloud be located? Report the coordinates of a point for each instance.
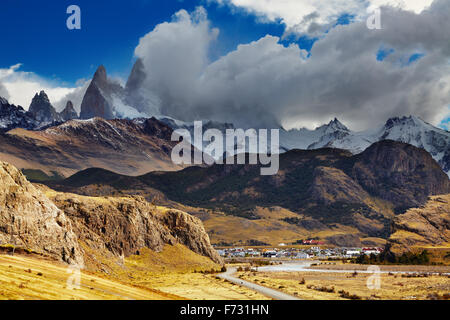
(22, 86)
(76, 96)
(266, 84)
(3, 92)
(309, 16)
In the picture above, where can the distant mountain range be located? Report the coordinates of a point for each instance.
(40, 114)
(107, 99)
(411, 130)
(334, 182)
(328, 189)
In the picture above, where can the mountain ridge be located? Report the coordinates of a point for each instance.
(411, 130)
(124, 146)
(329, 186)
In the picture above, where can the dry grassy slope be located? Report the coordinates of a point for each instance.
(271, 228)
(393, 287)
(165, 275)
(428, 226)
(24, 278)
(122, 146)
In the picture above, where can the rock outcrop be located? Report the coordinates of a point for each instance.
(98, 100)
(58, 225)
(123, 226)
(42, 109)
(400, 173)
(425, 226)
(69, 112)
(135, 94)
(28, 219)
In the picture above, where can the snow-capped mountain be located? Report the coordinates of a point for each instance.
(313, 139)
(106, 98)
(411, 130)
(69, 112)
(15, 117)
(42, 109)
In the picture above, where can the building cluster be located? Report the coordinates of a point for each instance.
(297, 253)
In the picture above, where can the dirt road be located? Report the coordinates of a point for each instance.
(274, 294)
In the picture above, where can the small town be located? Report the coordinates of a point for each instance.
(313, 252)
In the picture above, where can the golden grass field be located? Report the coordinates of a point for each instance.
(149, 276)
(393, 286)
(24, 278)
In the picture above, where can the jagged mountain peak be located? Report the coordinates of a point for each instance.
(69, 106)
(3, 101)
(137, 94)
(333, 126)
(409, 129)
(42, 109)
(407, 120)
(100, 75)
(42, 96)
(12, 117)
(69, 112)
(337, 125)
(137, 76)
(97, 102)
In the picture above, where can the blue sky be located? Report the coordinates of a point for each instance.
(381, 73)
(35, 34)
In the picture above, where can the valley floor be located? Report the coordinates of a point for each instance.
(32, 278)
(23, 278)
(343, 286)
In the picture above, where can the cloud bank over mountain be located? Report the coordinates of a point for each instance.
(311, 16)
(3, 92)
(359, 75)
(21, 86)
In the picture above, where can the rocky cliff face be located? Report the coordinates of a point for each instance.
(69, 112)
(30, 220)
(124, 226)
(400, 173)
(42, 109)
(136, 96)
(58, 225)
(424, 226)
(98, 100)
